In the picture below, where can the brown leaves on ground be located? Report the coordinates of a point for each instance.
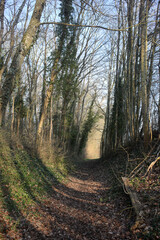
(76, 211)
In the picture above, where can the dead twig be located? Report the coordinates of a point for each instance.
(151, 166)
(133, 173)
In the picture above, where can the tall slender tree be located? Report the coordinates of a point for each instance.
(144, 19)
(23, 48)
(64, 69)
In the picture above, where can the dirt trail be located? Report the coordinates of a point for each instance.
(76, 210)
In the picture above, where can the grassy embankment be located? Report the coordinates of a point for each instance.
(25, 180)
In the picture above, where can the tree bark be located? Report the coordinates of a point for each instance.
(159, 83)
(130, 69)
(12, 121)
(144, 71)
(117, 78)
(51, 121)
(46, 101)
(2, 7)
(107, 116)
(22, 50)
(152, 53)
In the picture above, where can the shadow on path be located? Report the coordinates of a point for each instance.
(74, 210)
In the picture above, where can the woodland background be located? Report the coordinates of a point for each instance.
(101, 59)
(65, 67)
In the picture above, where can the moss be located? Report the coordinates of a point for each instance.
(25, 180)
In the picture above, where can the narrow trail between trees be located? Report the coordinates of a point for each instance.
(76, 210)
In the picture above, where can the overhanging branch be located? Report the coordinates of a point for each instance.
(80, 25)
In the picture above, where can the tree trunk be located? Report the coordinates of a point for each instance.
(158, 27)
(22, 50)
(46, 101)
(51, 121)
(2, 7)
(44, 75)
(12, 121)
(144, 71)
(130, 68)
(152, 53)
(117, 79)
(12, 37)
(107, 116)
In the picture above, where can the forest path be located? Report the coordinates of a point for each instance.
(76, 210)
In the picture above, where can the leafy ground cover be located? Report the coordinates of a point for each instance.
(143, 172)
(75, 209)
(40, 200)
(25, 180)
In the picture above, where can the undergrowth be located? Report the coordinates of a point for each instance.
(142, 169)
(25, 179)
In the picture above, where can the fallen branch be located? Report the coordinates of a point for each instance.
(151, 166)
(135, 202)
(136, 169)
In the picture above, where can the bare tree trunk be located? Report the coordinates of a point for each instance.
(137, 79)
(21, 51)
(18, 123)
(144, 71)
(51, 121)
(117, 78)
(17, 15)
(12, 121)
(44, 75)
(107, 116)
(46, 101)
(2, 7)
(159, 90)
(80, 109)
(130, 68)
(152, 53)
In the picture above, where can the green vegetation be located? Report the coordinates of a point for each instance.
(87, 127)
(25, 179)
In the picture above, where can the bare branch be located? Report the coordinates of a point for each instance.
(80, 25)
